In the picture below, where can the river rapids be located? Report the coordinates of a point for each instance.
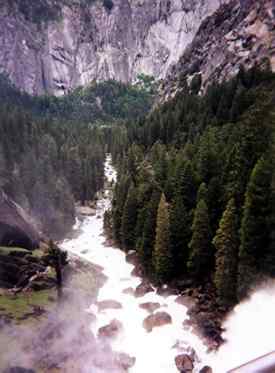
(155, 351)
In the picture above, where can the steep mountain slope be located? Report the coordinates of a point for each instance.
(239, 32)
(49, 46)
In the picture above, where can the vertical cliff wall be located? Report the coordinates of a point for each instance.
(90, 42)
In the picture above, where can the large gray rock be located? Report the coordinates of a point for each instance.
(184, 363)
(240, 32)
(16, 227)
(156, 320)
(91, 42)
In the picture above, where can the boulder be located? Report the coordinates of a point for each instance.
(143, 289)
(206, 370)
(125, 361)
(129, 291)
(132, 257)
(150, 306)
(156, 320)
(16, 226)
(85, 211)
(184, 301)
(111, 330)
(166, 291)
(137, 271)
(184, 363)
(109, 304)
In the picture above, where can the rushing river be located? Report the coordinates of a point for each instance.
(155, 351)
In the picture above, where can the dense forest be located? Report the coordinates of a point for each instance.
(105, 102)
(195, 192)
(52, 150)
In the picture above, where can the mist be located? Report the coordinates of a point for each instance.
(249, 330)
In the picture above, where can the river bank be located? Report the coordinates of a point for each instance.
(112, 320)
(130, 319)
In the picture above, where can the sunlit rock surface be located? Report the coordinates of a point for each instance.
(16, 227)
(90, 42)
(239, 32)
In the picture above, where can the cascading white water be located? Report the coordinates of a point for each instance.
(156, 351)
(249, 331)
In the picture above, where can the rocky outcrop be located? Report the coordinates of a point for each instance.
(239, 32)
(22, 271)
(125, 361)
(143, 288)
(89, 42)
(109, 304)
(184, 363)
(150, 306)
(156, 320)
(111, 330)
(16, 227)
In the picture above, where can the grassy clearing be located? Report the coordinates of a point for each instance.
(18, 306)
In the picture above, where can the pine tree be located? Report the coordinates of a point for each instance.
(226, 243)
(186, 184)
(202, 193)
(254, 225)
(120, 195)
(129, 220)
(147, 243)
(201, 251)
(162, 253)
(180, 222)
(269, 262)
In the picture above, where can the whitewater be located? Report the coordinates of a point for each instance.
(249, 328)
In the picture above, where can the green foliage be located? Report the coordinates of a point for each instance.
(201, 251)
(162, 250)
(180, 221)
(254, 225)
(146, 246)
(213, 141)
(129, 220)
(195, 85)
(226, 242)
(105, 102)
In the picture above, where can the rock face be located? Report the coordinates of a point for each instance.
(143, 289)
(150, 306)
(108, 304)
(111, 330)
(85, 42)
(239, 32)
(16, 228)
(156, 320)
(184, 363)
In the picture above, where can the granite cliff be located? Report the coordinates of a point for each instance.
(240, 32)
(53, 47)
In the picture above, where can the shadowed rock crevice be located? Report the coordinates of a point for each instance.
(16, 227)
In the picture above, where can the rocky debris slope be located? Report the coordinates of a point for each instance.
(19, 270)
(87, 42)
(239, 32)
(16, 227)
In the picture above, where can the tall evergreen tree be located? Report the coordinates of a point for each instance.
(254, 225)
(226, 243)
(180, 221)
(186, 184)
(162, 250)
(201, 251)
(129, 220)
(147, 243)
